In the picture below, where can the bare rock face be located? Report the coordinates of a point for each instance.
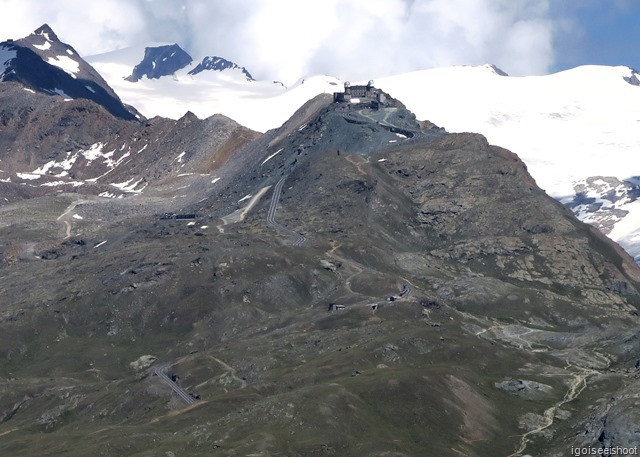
(525, 388)
(143, 362)
(160, 61)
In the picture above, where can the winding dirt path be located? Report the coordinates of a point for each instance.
(577, 386)
(67, 224)
(231, 372)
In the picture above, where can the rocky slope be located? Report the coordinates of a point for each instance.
(354, 283)
(49, 144)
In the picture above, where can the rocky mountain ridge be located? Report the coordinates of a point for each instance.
(216, 63)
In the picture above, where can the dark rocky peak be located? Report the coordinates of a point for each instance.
(42, 63)
(47, 32)
(215, 63)
(46, 44)
(496, 70)
(160, 61)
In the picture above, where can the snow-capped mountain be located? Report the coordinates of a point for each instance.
(42, 63)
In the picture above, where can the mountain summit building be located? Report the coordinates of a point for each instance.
(361, 94)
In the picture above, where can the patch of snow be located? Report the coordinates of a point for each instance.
(65, 164)
(204, 227)
(271, 156)
(29, 90)
(91, 154)
(43, 47)
(107, 195)
(62, 183)
(99, 244)
(70, 52)
(112, 164)
(5, 180)
(246, 197)
(90, 89)
(28, 176)
(383, 160)
(191, 224)
(179, 158)
(77, 216)
(355, 100)
(400, 135)
(128, 186)
(215, 180)
(94, 152)
(65, 63)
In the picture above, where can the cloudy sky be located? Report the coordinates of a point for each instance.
(351, 39)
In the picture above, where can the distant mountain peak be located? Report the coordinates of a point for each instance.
(217, 63)
(43, 63)
(160, 61)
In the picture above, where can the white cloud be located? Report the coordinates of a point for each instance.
(287, 39)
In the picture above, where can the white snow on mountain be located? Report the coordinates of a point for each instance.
(43, 47)
(569, 127)
(65, 63)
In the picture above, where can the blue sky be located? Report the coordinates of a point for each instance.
(350, 39)
(603, 32)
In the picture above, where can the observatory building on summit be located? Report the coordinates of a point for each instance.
(368, 95)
